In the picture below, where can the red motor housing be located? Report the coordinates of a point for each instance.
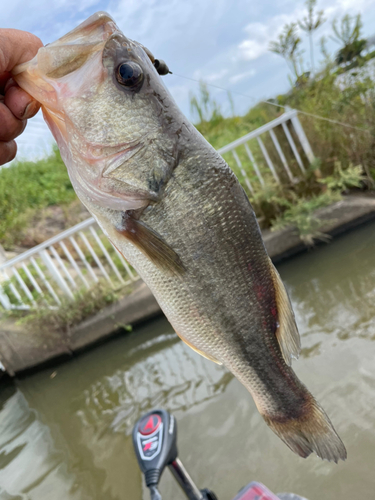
(255, 491)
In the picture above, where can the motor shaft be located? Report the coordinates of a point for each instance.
(184, 480)
(154, 492)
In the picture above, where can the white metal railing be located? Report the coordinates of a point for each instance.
(72, 260)
(78, 257)
(290, 115)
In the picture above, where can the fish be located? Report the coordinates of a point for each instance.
(175, 210)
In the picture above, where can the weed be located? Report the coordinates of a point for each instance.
(342, 179)
(204, 106)
(302, 215)
(62, 319)
(345, 155)
(300, 211)
(27, 188)
(124, 326)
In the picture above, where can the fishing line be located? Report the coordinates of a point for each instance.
(319, 117)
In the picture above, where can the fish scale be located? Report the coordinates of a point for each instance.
(229, 317)
(174, 209)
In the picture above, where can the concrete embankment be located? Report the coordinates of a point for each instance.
(22, 349)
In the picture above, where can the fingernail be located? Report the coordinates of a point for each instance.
(9, 83)
(30, 110)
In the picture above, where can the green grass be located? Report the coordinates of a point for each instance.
(345, 160)
(350, 100)
(26, 187)
(220, 131)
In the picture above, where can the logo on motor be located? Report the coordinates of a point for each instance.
(149, 436)
(149, 425)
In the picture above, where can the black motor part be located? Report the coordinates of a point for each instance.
(208, 494)
(154, 440)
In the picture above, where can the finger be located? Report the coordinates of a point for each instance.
(16, 47)
(21, 104)
(11, 82)
(8, 151)
(4, 78)
(10, 126)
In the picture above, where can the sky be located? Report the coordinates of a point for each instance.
(223, 42)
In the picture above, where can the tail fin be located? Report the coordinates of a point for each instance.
(312, 432)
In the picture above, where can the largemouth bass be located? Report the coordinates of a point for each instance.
(172, 206)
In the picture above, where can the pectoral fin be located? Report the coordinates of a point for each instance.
(204, 354)
(151, 244)
(287, 331)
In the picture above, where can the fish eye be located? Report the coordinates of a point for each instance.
(129, 74)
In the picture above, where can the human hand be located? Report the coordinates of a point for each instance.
(16, 106)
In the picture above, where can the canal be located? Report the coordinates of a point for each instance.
(65, 432)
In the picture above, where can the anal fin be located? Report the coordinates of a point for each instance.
(204, 354)
(151, 244)
(287, 332)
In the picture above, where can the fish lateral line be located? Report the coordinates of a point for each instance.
(150, 243)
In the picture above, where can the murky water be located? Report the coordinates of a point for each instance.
(66, 435)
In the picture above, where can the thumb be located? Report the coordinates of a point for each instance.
(16, 47)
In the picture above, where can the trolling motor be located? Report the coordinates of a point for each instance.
(155, 445)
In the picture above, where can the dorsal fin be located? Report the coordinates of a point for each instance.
(287, 331)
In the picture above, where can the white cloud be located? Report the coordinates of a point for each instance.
(40, 16)
(355, 5)
(252, 49)
(242, 76)
(260, 35)
(216, 76)
(211, 40)
(209, 77)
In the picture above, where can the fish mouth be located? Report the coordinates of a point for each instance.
(44, 77)
(58, 70)
(72, 68)
(71, 49)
